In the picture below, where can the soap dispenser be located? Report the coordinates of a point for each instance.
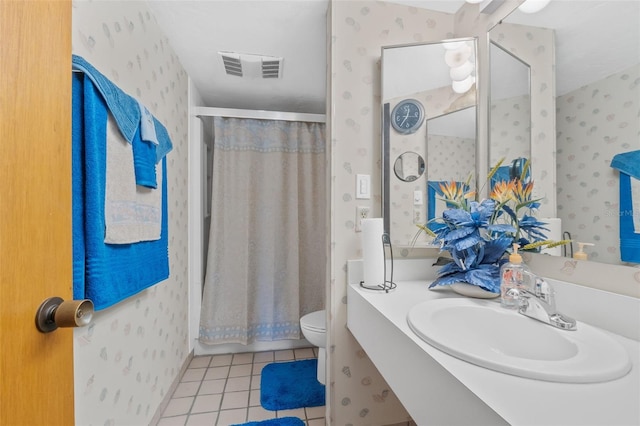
(580, 254)
(514, 277)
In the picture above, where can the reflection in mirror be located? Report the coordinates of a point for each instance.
(440, 77)
(409, 166)
(593, 86)
(510, 111)
(451, 154)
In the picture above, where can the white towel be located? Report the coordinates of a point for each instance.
(635, 202)
(132, 213)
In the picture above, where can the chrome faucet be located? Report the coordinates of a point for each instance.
(539, 303)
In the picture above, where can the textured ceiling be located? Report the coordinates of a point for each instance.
(595, 38)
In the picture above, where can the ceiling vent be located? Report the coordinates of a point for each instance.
(251, 66)
(232, 65)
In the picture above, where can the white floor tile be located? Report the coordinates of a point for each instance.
(220, 360)
(315, 412)
(206, 403)
(212, 386)
(244, 358)
(178, 406)
(172, 421)
(285, 355)
(263, 357)
(259, 413)
(316, 422)
(216, 373)
(235, 400)
(200, 362)
(230, 417)
(240, 370)
(304, 353)
(186, 389)
(254, 398)
(298, 412)
(202, 419)
(235, 384)
(255, 381)
(258, 366)
(193, 374)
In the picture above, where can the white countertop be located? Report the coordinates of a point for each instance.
(374, 317)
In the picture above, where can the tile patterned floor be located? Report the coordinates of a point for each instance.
(223, 390)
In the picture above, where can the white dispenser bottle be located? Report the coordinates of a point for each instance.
(514, 278)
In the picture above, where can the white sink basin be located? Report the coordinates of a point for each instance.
(483, 333)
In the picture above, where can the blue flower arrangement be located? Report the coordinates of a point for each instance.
(478, 234)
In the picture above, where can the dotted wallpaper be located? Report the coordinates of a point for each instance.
(127, 359)
(357, 393)
(510, 132)
(596, 122)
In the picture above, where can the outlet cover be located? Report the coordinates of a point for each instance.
(362, 212)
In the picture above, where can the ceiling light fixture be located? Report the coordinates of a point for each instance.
(533, 6)
(464, 85)
(474, 1)
(461, 72)
(456, 58)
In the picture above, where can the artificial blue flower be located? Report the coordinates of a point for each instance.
(465, 225)
(533, 228)
(477, 235)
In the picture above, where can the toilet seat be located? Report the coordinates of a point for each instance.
(315, 321)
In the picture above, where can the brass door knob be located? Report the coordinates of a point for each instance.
(56, 312)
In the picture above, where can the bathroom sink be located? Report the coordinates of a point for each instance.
(483, 333)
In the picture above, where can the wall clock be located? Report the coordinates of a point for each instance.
(407, 116)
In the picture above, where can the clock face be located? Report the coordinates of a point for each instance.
(407, 116)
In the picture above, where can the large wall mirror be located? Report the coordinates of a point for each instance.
(429, 129)
(509, 108)
(585, 94)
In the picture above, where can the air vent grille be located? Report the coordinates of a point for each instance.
(251, 66)
(271, 69)
(232, 65)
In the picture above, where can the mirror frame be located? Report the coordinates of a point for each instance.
(387, 166)
(490, 138)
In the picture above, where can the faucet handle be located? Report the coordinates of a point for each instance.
(544, 291)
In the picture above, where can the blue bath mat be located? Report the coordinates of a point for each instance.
(288, 385)
(283, 421)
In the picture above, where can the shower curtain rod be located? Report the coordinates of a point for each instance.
(258, 114)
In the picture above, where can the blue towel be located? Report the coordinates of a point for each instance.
(628, 163)
(433, 189)
(629, 240)
(503, 174)
(144, 161)
(105, 273)
(127, 113)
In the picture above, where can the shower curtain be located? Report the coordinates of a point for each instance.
(267, 252)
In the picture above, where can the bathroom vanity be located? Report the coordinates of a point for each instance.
(437, 388)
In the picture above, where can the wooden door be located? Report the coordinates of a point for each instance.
(36, 370)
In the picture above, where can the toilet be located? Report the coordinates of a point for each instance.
(314, 329)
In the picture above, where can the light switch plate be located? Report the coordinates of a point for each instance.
(363, 187)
